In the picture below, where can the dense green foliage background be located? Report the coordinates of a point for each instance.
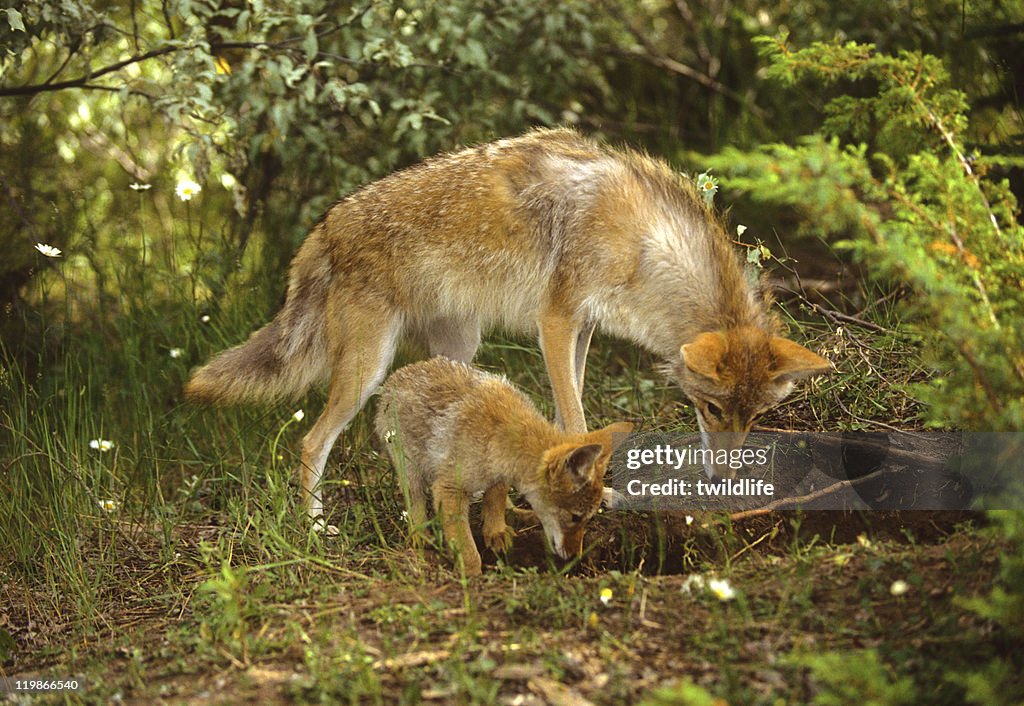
(886, 135)
(277, 110)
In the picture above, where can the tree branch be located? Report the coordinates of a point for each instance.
(84, 80)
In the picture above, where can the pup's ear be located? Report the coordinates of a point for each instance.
(794, 362)
(703, 354)
(579, 464)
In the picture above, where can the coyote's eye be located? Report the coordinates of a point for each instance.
(714, 410)
(576, 518)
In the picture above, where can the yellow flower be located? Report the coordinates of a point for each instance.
(606, 595)
(899, 587)
(107, 505)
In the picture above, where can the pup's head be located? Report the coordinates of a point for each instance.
(733, 376)
(572, 486)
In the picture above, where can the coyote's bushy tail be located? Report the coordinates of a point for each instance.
(281, 360)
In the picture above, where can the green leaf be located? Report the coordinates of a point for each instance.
(14, 20)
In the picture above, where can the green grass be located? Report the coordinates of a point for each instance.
(178, 565)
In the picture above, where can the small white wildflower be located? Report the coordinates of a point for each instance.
(689, 520)
(899, 587)
(405, 514)
(722, 590)
(205, 318)
(693, 582)
(175, 352)
(389, 435)
(299, 414)
(186, 189)
(103, 445)
(136, 186)
(48, 250)
(741, 229)
(606, 595)
(107, 505)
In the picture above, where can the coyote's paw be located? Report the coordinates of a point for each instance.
(320, 526)
(499, 540)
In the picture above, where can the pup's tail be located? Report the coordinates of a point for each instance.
(282, 359)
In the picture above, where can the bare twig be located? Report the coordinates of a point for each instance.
(837, 316)
(783, 502)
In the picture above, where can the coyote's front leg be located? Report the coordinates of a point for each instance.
(559, 337)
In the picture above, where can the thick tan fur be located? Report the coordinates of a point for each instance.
(453, 431)
(550, 234)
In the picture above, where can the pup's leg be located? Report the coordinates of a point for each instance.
(362, 353)
(559, 335)
(417, 508)
(497, 535)
(452, 505)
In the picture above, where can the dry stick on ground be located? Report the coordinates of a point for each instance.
(837, 316)
(782, 502)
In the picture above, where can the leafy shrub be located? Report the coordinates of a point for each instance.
(890, 178)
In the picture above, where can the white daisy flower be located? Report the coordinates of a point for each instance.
(722, 590)
(48, 250)
(102, 445)
(186, 189)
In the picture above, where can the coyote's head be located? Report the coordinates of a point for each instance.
(733, 376)
(572, 486)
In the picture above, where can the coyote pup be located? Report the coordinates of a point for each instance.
(453, 431)
(550, 234)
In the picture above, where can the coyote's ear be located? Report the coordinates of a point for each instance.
(579, 463)
(614, 434)
(794, 362)
(703, 354)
